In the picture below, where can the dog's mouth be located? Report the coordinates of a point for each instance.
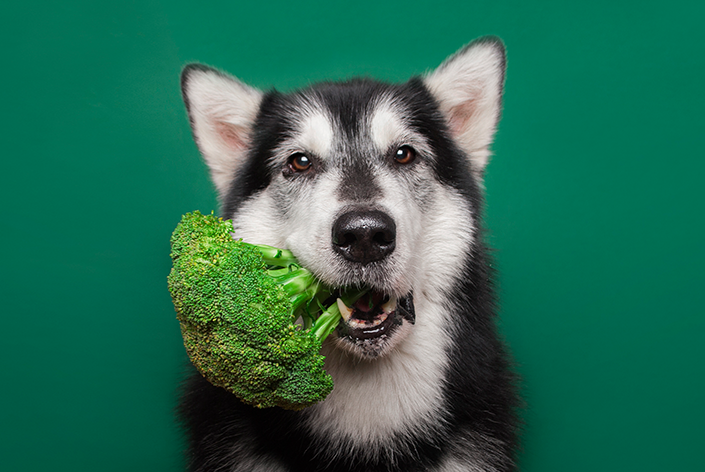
(368, 325)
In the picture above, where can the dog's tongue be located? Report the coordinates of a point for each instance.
(369, 301)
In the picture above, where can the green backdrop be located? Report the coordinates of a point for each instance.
(595, 204)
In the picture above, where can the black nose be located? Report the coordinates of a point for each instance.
(364, 236)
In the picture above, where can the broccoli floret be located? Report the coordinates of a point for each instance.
(238, 304)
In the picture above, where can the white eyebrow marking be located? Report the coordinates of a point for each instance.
(386, 127)
(316, 134)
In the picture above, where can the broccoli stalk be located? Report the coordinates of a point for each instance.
(238, 306)
(305, 292)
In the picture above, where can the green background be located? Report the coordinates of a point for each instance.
(595, 204)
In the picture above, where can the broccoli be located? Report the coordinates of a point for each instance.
(238, 306)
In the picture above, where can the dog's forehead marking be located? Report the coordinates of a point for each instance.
(386, 125)
(316, 133)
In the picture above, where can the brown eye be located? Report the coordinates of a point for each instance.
(405, 155)
(299, 162)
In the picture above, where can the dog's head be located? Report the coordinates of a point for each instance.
(369, 184)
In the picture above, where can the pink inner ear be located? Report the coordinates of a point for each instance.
(234, 136)
(460, 116)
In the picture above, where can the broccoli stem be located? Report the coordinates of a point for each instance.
(307, 303)
(329, 319)
(295, 281)
(305, 292)
(277, 257)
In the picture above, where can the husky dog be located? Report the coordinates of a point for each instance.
(377, 185)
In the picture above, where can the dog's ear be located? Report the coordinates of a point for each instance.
(222, 111)
(468, 87)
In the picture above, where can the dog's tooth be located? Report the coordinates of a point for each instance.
(390, 305)
(345, 312)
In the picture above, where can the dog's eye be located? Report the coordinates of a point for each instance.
(405, 155)
(299, 162)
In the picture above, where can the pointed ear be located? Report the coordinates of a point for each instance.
(222, 111)
(468, 87)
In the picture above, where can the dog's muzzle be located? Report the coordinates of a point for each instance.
(371, 326)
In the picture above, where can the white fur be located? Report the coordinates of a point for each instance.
(243, 461)
(222, 111)
(448, 236)
(253, 227)
(400, 393)
(386, 126)
(316, 134)
(308, 227)
(314, 137)
(455, 464)
(407, 383)
(471, 452)
(468, 87)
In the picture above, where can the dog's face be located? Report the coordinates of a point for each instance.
(367, 183)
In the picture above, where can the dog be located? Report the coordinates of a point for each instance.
(377, 185)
